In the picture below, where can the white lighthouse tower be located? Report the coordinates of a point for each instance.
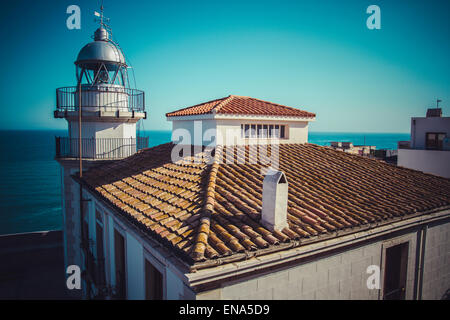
(102, 111)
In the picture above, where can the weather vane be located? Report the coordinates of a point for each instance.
(101, 16)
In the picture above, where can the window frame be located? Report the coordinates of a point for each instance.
(410, 265)
(158, 266)
(437, 145)
(246, 131)
(264, 131)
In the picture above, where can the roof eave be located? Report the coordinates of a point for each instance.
(227, 116)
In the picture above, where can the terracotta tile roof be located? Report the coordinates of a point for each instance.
(241, 105)
(205, 211)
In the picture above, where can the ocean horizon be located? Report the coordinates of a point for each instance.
(30, 192)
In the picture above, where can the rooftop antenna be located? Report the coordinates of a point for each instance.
(102, 18)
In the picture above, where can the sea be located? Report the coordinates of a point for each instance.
(30, 178)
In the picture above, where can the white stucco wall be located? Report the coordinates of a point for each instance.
(228, 131)
(174, 286)
(430, 161)
(190, 132)
(103, 129)
(135, 268)
(296, 132)
(420, 126)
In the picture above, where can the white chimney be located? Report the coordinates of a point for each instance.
(275, 199)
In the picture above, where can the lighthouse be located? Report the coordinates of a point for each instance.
(102, 111)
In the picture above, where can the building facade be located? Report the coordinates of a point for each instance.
(429, 147)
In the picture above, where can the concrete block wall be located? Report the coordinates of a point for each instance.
(338, 276)
(436, 272)
(344, 275)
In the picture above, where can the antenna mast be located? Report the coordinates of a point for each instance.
(101, 17)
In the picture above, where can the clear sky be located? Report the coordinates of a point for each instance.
(316, 55)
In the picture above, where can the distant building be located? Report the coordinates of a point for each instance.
(353, 149)
(429, 147)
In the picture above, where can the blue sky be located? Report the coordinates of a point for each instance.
(314, 55)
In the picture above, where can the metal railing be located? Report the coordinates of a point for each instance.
(403, 144)
(100, 148)
(102, 98)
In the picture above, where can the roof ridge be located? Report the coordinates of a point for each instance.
(224, 102)
(205, 219)
(196, 105)
(279, 105)
(251, 106)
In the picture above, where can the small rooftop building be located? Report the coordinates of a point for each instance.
(429, 147)
(220, 222)
(237, 120)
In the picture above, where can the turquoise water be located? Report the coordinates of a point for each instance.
(30, 180)
(380, 140)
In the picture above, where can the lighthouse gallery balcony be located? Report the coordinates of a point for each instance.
(100, 101)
